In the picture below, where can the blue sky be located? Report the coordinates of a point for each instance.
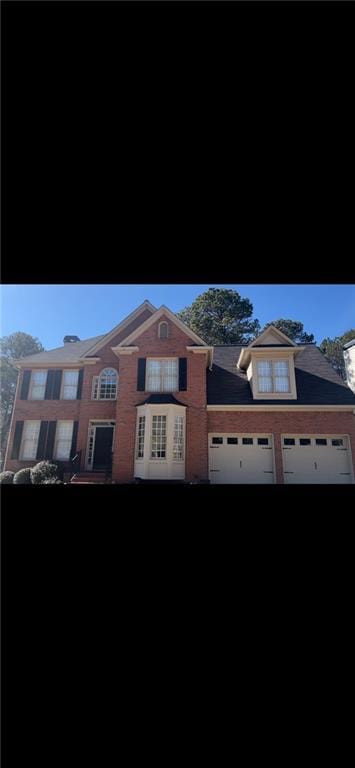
(52, 311)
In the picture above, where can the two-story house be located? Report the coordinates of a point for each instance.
(152, 401)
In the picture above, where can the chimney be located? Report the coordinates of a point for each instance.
(70, 339)
(349, 357)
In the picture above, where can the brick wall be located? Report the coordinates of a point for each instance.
(281, 422)
(194, 398)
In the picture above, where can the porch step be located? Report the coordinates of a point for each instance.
(89, 477)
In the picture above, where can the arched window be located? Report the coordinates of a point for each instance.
(163, 330)
(105, 385)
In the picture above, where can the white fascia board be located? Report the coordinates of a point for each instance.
(108, 336)
(248, 352)
(349, 408)
(163, 310)
(277, 332)
(201, 350)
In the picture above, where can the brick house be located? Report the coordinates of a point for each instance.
(150, 400)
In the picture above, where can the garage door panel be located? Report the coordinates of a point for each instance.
(236, 459)
(316, 459)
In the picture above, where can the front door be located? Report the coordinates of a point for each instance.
(103, 448)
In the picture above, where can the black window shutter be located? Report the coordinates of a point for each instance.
(182, 374)
(25, 385)
(42, 439)
(141, 374)
(80, 385)
(57, 380)
(48, 454)
(49, 385)
(17, 440)
(74, 439)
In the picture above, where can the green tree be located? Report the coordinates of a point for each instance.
(221, 316)
(12, 347)
(293, 329)
(333, 351)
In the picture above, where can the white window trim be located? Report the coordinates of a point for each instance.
(271, 355)
(29, 421)
(274, 376)
(160, 360)
(171, 468)
(32, 384)
(70, 370)
(96, 378)
(56, 439)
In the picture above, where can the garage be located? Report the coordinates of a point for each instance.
(245, 458)
(316, 459)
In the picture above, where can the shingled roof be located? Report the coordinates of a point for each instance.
(69, 353)
(316, 381)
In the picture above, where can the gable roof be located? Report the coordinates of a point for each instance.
(316, 381)
(146, 305)
(69, 353)
(163, 310)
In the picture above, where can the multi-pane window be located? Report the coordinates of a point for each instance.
(158, 437)
(30, 437)
(38, 385)
(140, 437)
(63, 439)
(178, 444)
(162, 375)
(70, 385)
(273, 376)
(105, 385)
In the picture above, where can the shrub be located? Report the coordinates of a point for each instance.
(42, 471)
(7, 478)
(52, 481)
(23, 477)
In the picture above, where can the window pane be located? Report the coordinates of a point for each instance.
(265, 384)
(30, 439)
(107, 384)
(64, 433)
(162, 375)
(247, 441)
(337, 442)
(170, 379)
(217, 440)
(280, 368)
(140, 437)
(264, 368)
(282, 384)
(178, 437)
(263, 441)
(321, 441)
(71, 377)
(305, 441)
(158, 437)
(232, 441)
(39, 377)
(69, 392)
(289, 441)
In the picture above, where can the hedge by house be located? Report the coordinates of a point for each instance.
(43, 471)
(23, 477)
(7, 478)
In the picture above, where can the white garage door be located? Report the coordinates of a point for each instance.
(316, 459)
(240, 458)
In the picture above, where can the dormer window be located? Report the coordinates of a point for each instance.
(273, 376)
(269, 362)
(163, 330)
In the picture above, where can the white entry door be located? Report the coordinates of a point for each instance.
(241, 458)
(316, 459)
